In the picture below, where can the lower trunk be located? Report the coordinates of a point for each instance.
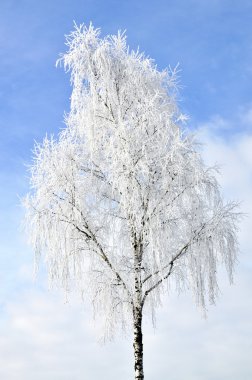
(138, 345)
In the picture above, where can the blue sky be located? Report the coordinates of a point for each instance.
(212, 42)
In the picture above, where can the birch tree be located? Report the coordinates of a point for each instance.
(121, 204)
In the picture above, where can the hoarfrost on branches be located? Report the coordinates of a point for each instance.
(121, 203)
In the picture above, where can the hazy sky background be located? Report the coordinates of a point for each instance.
(43, 337)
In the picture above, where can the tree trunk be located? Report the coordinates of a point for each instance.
(138, 344)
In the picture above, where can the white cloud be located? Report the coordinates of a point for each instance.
(186, 346)
(233, 152)
(44, 338)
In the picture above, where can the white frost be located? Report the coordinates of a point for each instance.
(121, 203)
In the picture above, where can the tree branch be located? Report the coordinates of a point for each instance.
(171, 263)
(90, 235)
(157, 283)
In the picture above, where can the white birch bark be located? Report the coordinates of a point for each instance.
(138, 343)
(138, 309)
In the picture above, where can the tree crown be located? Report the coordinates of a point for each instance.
(123, 193)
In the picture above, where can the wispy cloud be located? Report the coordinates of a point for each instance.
(43, 337)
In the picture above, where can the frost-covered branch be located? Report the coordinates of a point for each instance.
(121, 203)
